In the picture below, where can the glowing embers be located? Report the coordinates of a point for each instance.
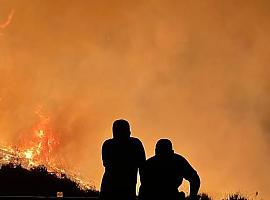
(39, 144)
(28, 154)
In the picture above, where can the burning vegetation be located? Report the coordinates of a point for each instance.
(38, 147)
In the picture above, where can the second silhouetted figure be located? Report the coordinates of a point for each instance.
(122, 157)
(163, 173)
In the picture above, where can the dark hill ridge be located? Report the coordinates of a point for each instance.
(18, 181)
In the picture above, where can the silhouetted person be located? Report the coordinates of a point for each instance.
(163, 173)
(122, 157)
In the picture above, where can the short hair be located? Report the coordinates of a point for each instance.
(164, 147)
(121, 129)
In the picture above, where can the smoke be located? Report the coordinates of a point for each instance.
(195, 72)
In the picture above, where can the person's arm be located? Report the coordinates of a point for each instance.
(141, 156)
(194, 180)
(105, 154)
(195, 183)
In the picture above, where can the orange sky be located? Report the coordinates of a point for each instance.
(193, 71)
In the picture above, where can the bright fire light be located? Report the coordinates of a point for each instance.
(28, 154)
(39, 148)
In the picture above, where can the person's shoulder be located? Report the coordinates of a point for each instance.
(184, 163)
(179, 158)
(108, 142)
(136, 140)
(150, 162)
(151, 159)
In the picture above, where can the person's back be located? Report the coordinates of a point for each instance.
(163, 173)
(122, 157)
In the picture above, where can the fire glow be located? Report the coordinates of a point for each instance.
(39, 147)
(8, 20)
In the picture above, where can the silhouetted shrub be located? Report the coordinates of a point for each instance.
(236, 196)
(204, 196)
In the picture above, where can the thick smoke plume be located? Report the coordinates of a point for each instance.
(193, 71)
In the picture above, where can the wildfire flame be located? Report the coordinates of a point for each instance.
(39, 147)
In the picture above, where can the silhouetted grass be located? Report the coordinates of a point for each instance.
(236, 196)
(204, 196)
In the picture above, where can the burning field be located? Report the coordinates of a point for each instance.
(196, 72)
(38, 146)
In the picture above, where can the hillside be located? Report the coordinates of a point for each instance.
(18, 181)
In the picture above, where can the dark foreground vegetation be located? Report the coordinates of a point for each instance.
(18, 181)
(236, 196)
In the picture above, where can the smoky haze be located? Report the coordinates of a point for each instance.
(196, 72)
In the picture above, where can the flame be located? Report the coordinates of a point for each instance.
(39, 146)
(28, 154)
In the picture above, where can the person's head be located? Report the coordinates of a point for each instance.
(121, 129)
(164, 148)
